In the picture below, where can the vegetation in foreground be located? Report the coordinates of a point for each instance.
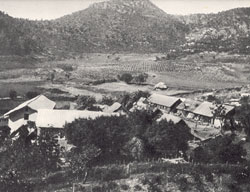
(137, 142)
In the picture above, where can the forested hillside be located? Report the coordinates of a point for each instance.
(132, 26)
(227, 31)
(127, 26)
(18, 36)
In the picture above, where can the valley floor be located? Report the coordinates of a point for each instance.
(76, 76)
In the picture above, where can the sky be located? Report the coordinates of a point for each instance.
(51, 9)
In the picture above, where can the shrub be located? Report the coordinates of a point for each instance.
(106, 100)
(98, 82)
(94, 108)
(31, 94)
(137, 188)
(141, 78)
(85, 101)
(212, 98)
(241, 176)
(209, 177)
(124, 187)
(12, 94)
(126, 77)
(4, 133)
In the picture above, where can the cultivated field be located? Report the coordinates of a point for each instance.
(190, 72)
(75, 75)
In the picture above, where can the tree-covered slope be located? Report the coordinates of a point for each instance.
(127, 26)
(130, 25)
(227, 31)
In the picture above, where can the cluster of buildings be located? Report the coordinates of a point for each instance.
(200, 112)
(40, 111)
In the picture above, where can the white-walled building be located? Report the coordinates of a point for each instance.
(53, 121)
(27, 111)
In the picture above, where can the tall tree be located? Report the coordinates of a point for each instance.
(109, 134)
(168, 138)
(81, 158)
(242, 116)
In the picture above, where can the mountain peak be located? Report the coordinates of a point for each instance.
(123, 2)
(144, 7)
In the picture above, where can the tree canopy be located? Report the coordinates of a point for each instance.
(85, 102)
(220, 150)
(242, 115)
(21, 159)
(112, 135)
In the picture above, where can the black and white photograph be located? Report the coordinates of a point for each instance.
(124, 95)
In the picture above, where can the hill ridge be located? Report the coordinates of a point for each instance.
(127, 26)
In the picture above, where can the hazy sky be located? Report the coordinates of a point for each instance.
(50, 9)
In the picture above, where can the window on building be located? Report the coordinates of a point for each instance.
(26, 116)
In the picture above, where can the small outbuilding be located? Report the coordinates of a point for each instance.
(160, 86)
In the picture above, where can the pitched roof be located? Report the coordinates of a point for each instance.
(188, 105)
(170, 117)
(202, 132)
(160, 85)
(205, 109)
(163, 100)
(113, 108)
(47, 118)
(38, 102)
(228, 108)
